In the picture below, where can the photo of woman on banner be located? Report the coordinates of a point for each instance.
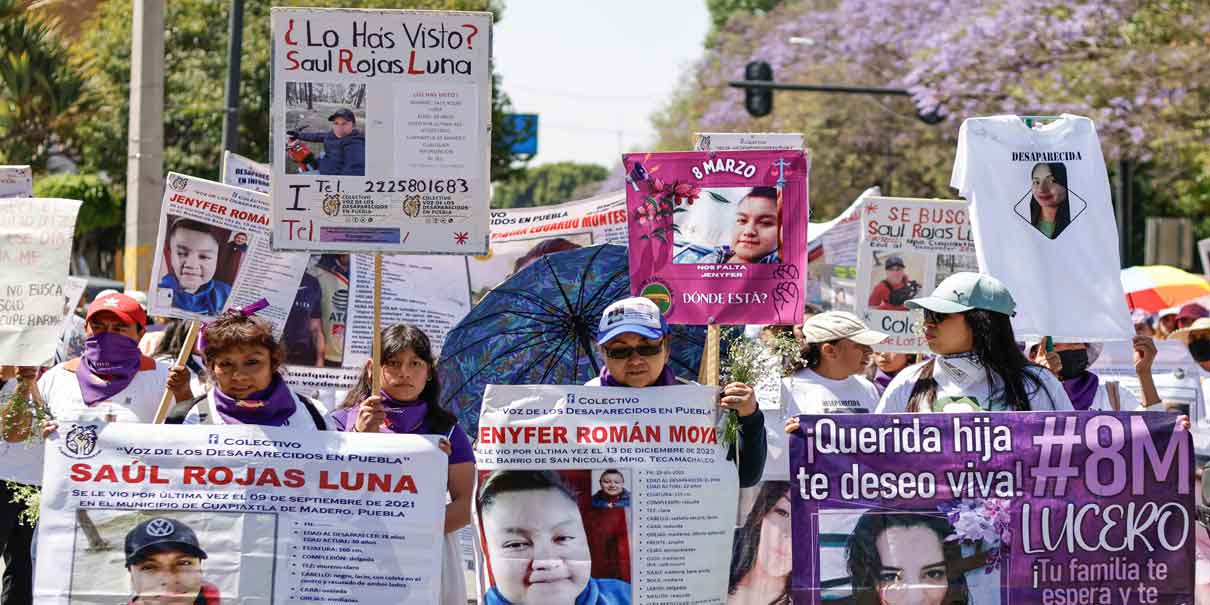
(165, 563)
(196, 259)
(1049, 207)
(409, 403)
(244, 360)
(536, 545)
(632, 340)
(753, 237)
(761, 555)
(905, 558)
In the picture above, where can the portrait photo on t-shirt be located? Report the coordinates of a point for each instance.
(736, 225)
(1050, 205)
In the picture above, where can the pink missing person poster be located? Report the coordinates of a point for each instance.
(719, 237)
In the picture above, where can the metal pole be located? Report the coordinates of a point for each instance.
(836, 88)
(145, 148)
(235, 41)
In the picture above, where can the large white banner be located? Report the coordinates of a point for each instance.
(1176, 375)
(213, 254)
(244, 514)
(243, 172)
(907, 247)
(35, 250)
(620, 493)
(16, 181)
(385, 117)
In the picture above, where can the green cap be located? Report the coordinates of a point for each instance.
(964, 291)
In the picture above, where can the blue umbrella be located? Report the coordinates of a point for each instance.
(540, 326)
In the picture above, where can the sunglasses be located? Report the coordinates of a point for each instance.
(933, 317)
(626, 352)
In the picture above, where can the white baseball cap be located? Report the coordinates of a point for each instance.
(634, 315)
(835, 325)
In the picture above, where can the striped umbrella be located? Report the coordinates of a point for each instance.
(1154, 288)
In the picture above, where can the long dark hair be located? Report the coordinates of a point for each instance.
(397, 339)
(995, 347)
(747, 537)
(1063, 217)
(865, 566)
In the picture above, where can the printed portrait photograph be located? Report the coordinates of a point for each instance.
(897, 277)
(893, 557)
(555, 537)
(325, 128)
(1050, 205)
(314, 332)
(172, 557)
(761, 555)
(199, 265)
(507, 258)
(740, 225)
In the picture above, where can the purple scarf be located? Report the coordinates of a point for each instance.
(667, 378)
(882, 379)
(1082, 390)
(111, 356)
(402, 417)
(269, 407)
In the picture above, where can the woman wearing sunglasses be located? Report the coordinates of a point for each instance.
(633, 340)
(978, 367)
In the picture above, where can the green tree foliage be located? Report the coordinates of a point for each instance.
(546, 184)
(195, 70)
(41, 91)
(100, 224)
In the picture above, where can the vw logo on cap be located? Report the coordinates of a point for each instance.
(159, 528)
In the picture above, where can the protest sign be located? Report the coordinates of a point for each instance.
(264, 515)
(243, 172)
(635, 478)
(213, 254)
(385, 118)
(1203, 252)
(521, 235)
(36, 236)
(16, 181)
(1044, 224)
(734, 141)
(429, 292)
(325, 385)
(907, 247)
(719, 237)
(832, 257)
(1176, 376)
(1073, 507)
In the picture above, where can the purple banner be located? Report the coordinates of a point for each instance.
(982, 509)
(719, 237)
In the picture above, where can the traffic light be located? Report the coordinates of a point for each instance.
(758, 101)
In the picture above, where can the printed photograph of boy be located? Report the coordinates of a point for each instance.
(730, 225)
(199, 267)
(323, 136)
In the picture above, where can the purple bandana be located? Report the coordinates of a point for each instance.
(402, 417)
(1082, 390)
(269, 407)
(109, 363)
(666, 378)
(882, 379)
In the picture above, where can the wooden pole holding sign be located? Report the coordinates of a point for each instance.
(161, 412)
(376, 352)
(711, 357)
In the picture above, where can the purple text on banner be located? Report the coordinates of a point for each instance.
(360, 235)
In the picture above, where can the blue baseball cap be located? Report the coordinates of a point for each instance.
(161, 532)
(964, 291)
(634, 315)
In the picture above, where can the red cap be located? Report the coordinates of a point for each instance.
(125, 307)
(1192, 311)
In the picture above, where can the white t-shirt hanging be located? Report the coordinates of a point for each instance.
(963, 386)
(806, 392)
(1043, 223)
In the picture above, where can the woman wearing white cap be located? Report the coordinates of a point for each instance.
(632, 338)
(837, 350)
(978, 367)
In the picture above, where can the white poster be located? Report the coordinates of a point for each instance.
(735, 141)
(1176, 375)
(213, 254)
(521, 235)
(385, 117)
(1203, 251)
(429, 292)
(16, 181)
(1044, 224)
(243, 172)
(238, 513)
(35, 250)
(907, 247)
(628, 489)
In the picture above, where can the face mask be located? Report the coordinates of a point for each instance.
(1200, 349)
(1075, 362)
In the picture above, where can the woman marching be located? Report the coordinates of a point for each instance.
(408, 403)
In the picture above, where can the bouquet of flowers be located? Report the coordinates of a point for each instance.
(753, 362)
(981, 521)
(22, 414)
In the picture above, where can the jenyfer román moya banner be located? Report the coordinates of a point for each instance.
(1046, 509)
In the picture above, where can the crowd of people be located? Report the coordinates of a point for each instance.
(237, 376)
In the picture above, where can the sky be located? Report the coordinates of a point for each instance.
(595, 71)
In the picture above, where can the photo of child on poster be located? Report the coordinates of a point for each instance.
(198, 267)
(545, 542)
(325, 128)
(739, 225)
